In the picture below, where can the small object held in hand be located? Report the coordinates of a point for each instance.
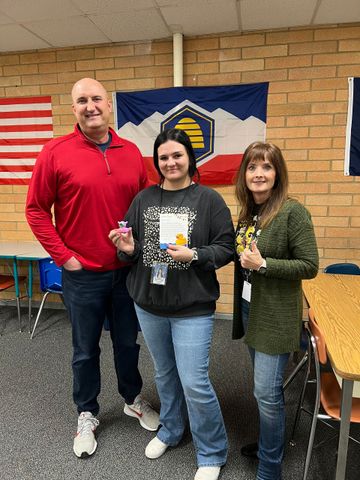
(122, 227)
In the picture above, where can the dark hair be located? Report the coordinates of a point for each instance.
(262, 151)
(179, 136)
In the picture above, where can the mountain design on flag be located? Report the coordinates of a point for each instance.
(232, 135)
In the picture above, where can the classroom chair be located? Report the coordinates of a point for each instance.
(328, 391)
(343, 268)
(50, 282)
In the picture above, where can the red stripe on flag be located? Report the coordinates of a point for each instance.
(212, 172)
(220, 170)
(26, 114)
(9, 155)
(24, 141)
(26, 128)
(14, 181)
(24, 100)
(16, 168)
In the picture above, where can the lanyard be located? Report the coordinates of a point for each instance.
(182, 200)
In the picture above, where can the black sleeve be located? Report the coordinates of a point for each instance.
(220, 248)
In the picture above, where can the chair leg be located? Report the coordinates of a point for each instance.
(296, 370)
(315, 415)
(39, 313)
(3, 329)
(307, 358)
(18, 312)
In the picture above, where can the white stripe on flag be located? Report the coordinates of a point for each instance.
(20, 148)
(26, 121)
(33, 134)
(18, 161)
(24, 175)
(24, 107)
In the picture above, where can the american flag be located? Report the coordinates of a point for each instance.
(25, 126)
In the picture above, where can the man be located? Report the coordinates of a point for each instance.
(90, 177)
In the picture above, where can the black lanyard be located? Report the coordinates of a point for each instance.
(182, 200)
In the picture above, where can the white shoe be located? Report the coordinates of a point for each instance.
(143, 411)
(207, 473)
(155, 448)
(84, 442)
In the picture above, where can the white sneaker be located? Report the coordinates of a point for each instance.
(155, 448)
(207, 473)
(143, 411)
(84, 442)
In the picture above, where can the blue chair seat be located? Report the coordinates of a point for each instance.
(343, 268)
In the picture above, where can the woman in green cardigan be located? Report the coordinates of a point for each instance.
(276, 249)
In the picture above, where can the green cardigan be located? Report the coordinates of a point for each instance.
(288, 243)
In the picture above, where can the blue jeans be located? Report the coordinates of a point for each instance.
(268, 391)
(180, 350)
(89, 298)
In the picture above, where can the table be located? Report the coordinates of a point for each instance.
(19, 251)
(335, 300)
(8, 251)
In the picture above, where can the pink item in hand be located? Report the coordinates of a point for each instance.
(122, 227)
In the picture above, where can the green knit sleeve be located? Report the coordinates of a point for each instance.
(302, 260)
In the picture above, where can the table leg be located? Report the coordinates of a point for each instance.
(346, 401)
(17, 291)
(30, 290)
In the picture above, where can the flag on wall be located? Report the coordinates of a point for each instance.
(352, 146)
(220, 121)
(25, 126)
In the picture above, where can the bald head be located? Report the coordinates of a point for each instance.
(92, 108)
(86, 84)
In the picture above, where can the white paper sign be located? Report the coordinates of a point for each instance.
(173, 229)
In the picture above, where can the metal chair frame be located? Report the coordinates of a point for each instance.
(48, 271)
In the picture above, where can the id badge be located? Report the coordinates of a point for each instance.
(246, 292)
(159, 272)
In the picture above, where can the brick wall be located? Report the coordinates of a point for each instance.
(307, 70)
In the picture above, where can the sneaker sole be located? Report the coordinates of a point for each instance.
(131, 413)
(86, 454)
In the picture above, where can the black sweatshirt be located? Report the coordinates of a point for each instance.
(191, 288)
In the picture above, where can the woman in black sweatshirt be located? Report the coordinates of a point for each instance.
(181, 232)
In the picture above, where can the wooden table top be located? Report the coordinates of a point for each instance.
(335, 300)
(22, 249)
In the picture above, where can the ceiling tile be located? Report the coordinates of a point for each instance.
(103, 7)
(202, 17)
(267, 14)
(122, 27)
(74, 31)
(25, 11)
(333, 11)
(15, 37)
(4, 19)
